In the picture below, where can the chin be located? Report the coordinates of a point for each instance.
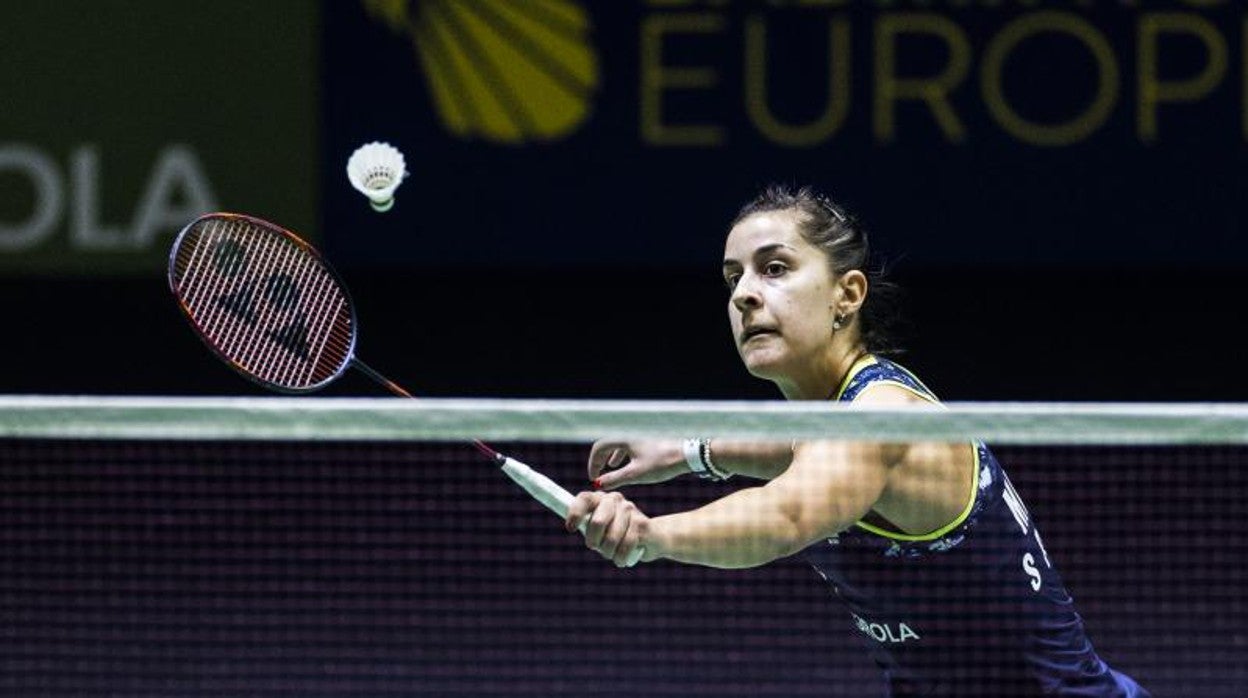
(765, 367)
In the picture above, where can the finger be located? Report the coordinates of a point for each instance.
(618, 457)
(598, 455)
(601, 519)
(616, 531)
(619, 478)
(598, 522)
(628, 535)
(580, 509)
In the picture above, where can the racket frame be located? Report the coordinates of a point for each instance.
(308, 249)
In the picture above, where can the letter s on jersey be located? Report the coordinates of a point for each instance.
(1029, 566)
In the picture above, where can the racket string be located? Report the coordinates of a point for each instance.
(209, 284)
(220, 307)
(333, 339)
(330, 327)
(281, 294)
(188, 271)
(248, 351)
(191, 287)
(283, 352)
(231, 308)
(296, 336)
(281, 360)
(324, 322)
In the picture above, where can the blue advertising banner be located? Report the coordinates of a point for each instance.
(626, 134)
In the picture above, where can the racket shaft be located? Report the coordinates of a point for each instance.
(551, 495)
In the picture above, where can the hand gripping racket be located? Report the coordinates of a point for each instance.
(266, 303)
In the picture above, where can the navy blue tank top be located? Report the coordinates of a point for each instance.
(975, 608)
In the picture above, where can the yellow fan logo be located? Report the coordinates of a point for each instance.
(506, 71)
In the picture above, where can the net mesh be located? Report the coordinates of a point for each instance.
(180, 566)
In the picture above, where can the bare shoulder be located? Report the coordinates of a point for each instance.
(886, 394)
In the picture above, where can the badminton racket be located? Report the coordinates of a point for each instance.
(271, 307)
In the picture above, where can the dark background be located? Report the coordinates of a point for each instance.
(586, 263)
(983, 335)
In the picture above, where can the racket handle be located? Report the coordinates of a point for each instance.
(551, 495)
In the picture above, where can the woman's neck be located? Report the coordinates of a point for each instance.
(823, 381)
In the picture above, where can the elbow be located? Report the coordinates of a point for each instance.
(796, 535)
(789, 541)
(803, 530)
(801, 538)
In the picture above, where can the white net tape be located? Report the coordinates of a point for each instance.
(349, 419)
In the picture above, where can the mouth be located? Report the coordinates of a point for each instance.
(752, 332)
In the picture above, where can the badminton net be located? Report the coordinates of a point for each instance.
(332, 547)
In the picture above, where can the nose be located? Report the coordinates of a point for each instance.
(745, 295)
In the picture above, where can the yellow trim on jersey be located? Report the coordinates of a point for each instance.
(943, 529)
(853, 371)
(928, 397)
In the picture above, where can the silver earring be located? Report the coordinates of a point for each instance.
(836, 322)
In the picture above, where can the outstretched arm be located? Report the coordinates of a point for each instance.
(828, 486)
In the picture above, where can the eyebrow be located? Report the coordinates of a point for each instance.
(764, 250)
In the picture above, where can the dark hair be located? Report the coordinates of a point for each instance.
(844, 241)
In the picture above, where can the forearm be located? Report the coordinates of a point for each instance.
(763, 460)
(747, 528)
(825, 489)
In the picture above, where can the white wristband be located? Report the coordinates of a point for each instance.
(693, 456)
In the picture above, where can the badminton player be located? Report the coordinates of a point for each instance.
(927, 545)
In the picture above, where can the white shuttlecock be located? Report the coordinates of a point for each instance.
(376, 169)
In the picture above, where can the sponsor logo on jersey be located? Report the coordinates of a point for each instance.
(893, 633)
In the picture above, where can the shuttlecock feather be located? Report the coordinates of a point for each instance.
(376, 169)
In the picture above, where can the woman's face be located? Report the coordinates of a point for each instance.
(783, 297)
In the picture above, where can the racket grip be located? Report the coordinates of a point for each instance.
(551, 495)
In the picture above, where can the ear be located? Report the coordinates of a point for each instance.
(853, 286)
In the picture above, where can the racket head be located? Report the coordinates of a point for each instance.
(264, 301)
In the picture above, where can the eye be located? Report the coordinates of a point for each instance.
(774, 268)
(730, 280)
